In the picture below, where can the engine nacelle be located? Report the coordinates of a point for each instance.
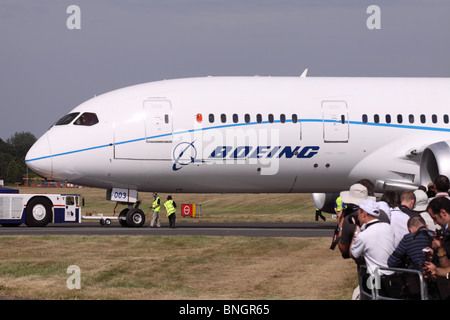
(325, 201)
(435, 161)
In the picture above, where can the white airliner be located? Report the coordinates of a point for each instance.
(253, 135)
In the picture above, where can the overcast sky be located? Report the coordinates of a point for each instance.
(47, 69)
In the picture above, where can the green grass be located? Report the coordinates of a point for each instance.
(192, 267)
(181, 267)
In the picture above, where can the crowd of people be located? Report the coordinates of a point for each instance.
(407, 231)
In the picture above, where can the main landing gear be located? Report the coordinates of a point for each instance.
(132, 217)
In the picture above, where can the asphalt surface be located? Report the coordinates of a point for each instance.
(313, 229)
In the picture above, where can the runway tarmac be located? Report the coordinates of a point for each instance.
(313, 229)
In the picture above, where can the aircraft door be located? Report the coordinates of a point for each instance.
(146, 133)
(335, 121)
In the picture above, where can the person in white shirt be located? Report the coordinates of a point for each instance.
(421, 207)
(401, 215)
(374, 241)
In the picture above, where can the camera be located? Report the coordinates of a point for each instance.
(445, 233)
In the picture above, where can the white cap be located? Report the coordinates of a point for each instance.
(421, 201)
(371, 207)
(383, 206)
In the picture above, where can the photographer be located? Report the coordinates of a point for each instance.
(409, 251)
(374, 241)
(409, 254)
(346, 226)
(439, 267)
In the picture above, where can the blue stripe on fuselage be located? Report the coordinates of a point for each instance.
(400, 126)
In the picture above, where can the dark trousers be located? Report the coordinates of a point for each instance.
(391, 286)
(172, 218)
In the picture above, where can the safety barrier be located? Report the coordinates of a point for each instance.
(373, 283)
(191, 210)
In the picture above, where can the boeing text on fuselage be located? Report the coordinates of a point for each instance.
(250, 153)
(243, 152)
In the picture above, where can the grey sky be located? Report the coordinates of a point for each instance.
(46, 69)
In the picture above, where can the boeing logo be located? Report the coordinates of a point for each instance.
(185, 153)
(266, 152)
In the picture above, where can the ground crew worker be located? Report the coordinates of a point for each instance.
(319, 214)
(156, 207)
(170, 206)
(339, 206)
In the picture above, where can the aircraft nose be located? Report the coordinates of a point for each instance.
(39, 157)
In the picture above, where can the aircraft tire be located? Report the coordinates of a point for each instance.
(135, 218)
(38, 212)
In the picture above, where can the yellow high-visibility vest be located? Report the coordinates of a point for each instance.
(169, 207)
(156, 207)
(340, 204)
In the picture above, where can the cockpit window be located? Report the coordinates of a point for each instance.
(68, 118)
(86, 119)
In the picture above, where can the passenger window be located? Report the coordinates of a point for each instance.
(445, 118)
(211, 118)
(411, 118)
(68, 118)
(294, 118)
(235, 118)
(388, 118)
(423, 118)
(247, 118)
(166, 118)
(364, 118)
(399, 118)
(434, 118)
(86, 119)
(376, 118)
(223, 117)
(270, 118)
(258, 118)
(282, 118)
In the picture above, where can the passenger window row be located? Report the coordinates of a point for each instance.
(399, 118)
(248, 118)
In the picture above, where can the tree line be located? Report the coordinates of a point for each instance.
(12, 157)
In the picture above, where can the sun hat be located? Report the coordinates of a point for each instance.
(356, 194)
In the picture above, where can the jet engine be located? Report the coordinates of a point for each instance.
(325, 201)
(435, 161)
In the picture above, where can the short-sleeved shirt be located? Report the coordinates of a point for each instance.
(376, 244)
(399, 222)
